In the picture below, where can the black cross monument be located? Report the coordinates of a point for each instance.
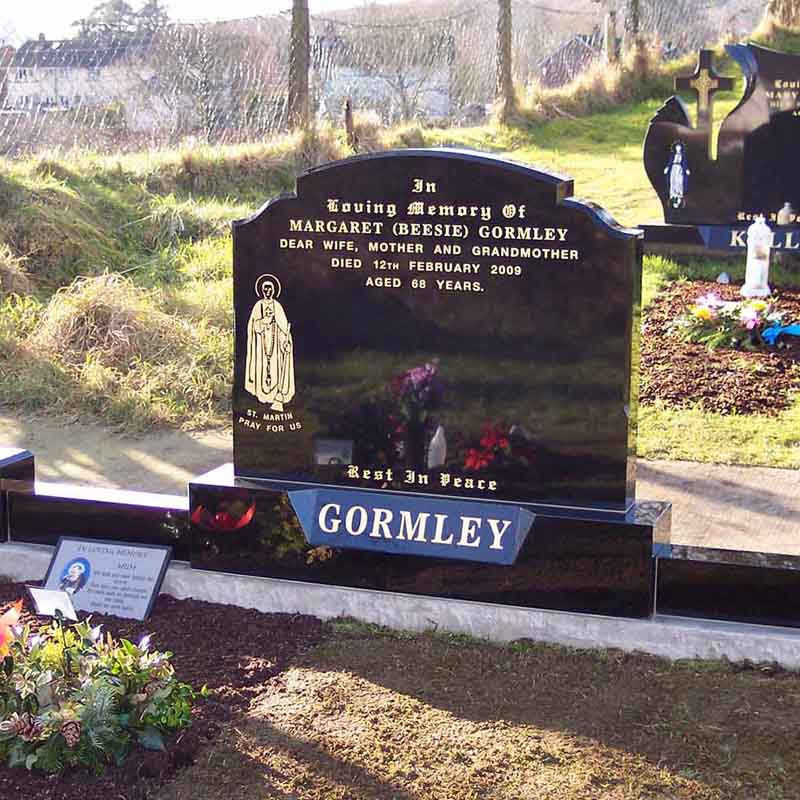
(705, 82)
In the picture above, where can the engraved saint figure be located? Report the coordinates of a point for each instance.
(269, 372)
(677, 172)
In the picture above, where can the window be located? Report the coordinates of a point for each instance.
(94, 73)
(23, 73)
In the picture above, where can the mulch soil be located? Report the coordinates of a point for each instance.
(306, 711)
(390, 716)
(681, 374)
(231, 650)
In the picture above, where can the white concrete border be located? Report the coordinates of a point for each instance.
(671, 637)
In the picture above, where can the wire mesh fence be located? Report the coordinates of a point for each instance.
(224, 82)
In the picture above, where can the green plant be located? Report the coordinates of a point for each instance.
(73, 697)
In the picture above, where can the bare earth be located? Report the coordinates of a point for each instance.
(748, 508)
(392, 717)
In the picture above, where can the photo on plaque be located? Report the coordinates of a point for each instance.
(75, 576)
(108, 577)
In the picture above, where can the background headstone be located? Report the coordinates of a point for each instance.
(756, 169)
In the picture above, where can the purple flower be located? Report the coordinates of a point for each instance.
(144, 643)
(710, 300)
(750, 318)
(95, 633)
(420, 386)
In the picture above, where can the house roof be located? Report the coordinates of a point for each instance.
(74, 52)
(570, 58)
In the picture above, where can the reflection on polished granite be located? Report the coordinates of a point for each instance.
(569, 562)
(542, 354)
(42, 513)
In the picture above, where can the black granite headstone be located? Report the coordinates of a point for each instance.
(17, 469)
(438, 322)
(755, 170)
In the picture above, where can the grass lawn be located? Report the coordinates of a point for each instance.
(161, 220)
(372, 713)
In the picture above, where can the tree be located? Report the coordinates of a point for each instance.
(410, 61)
(111, 19)
(506, 98)
(633, 26)
(152, 16)
(116, 20)
(299, 64)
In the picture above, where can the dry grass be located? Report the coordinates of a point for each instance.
(13, 278)
(105, 319)
(638, 76)
(105, 347)
(368, 130)
(785, 13)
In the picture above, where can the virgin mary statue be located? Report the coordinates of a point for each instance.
(269, 372)
(677, 172)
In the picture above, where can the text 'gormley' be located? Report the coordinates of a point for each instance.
(423, 527)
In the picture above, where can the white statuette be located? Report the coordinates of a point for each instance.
(759, 244)
(437, 450)
(786, 214)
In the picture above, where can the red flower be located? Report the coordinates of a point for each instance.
(494, 438)
(477, 460)
(222, 520)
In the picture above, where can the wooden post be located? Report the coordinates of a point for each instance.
(504, 93)
(633, 25)
(610, 37)
(299, 65)
(349, 126)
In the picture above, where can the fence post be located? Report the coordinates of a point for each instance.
(299, 65)
(504, 92)
(633, 25)
(610, 37)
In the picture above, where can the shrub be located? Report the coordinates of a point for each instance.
(73, 697)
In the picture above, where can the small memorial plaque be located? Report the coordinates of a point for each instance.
(109, 577)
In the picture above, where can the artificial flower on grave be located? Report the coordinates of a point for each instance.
(500, 448)
(414, 395)
(103, 697)
(715, 322)
(225, 519)
(7, 622)
(418, 391)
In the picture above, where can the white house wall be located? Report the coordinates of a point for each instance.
(65, 88)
